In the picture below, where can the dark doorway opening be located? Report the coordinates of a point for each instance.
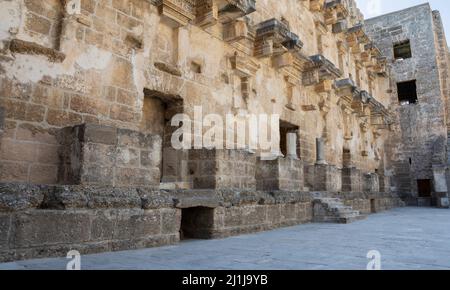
(407, 92)
(424, 187)
(373, 206)
(196, 223)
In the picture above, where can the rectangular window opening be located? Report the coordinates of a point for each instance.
(402, 50)
(407, 92)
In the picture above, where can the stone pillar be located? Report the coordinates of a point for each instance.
(292, 146)
(320, 151)
(440, 186)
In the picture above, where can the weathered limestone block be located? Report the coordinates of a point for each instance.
(92, 197)
(46, 227)
(220, 169)
(101, 155)
(279, 174)
(18, 197)
(136, 223)
(351, 179)
(327, 178)
(371, 182)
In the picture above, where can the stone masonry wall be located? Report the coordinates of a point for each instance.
(44, 221)
(101, 155)
(418, 126)
(62, 67)
(87, 93)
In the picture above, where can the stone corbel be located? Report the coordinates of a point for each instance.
(340, 27)
(230, 10)
(177, 12)
(324, 86)
(357, 38)
(273, 37)
(318, 70)
(370, 55)
(240, 35)
(335, 11)
(381, 66)
(291, 64)
(207, 13)
(243, 65)
(379, 115)
(360, 104)
(204, 13)
(346, 90)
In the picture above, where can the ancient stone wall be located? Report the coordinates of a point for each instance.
(88, 90)
(44, 221)
(101, 155)
(106, 55)
(412, 146)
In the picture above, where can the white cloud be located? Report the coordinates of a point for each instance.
(373, 8)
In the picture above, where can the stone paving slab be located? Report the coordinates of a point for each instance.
(407, 238)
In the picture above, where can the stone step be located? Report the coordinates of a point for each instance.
(333, 210)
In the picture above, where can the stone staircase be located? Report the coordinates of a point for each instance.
(332, 210)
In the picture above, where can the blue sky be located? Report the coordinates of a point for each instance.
(372, 8)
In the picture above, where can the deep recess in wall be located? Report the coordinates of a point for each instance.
(402, 50)
(407, 92)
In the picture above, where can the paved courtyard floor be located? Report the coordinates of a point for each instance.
(407, 238)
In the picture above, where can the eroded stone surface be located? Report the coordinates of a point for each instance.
(399, 235)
